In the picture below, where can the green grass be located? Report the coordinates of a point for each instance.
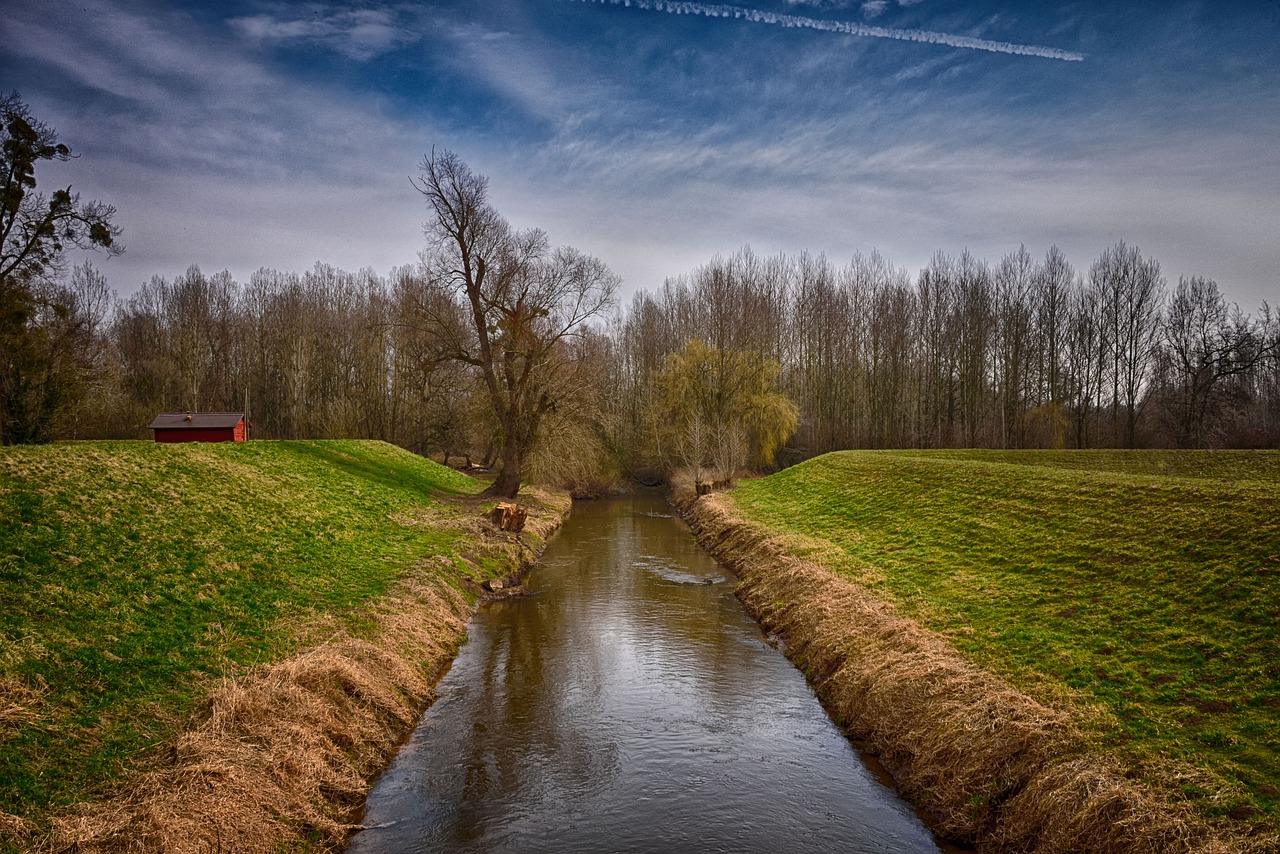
(1144, 582)
(134, 576)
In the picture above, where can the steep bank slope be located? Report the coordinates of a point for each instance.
(215, 645)
(1134, 716)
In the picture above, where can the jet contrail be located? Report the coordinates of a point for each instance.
(678, 7)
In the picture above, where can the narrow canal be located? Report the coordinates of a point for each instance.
(629, 704)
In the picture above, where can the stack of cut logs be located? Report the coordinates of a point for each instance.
(509, 516)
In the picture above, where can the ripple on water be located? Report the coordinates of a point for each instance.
(669, 570)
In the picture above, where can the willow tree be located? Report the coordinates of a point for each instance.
(722, 409)
(506, 303)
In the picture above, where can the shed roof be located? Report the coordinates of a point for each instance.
(196, 420)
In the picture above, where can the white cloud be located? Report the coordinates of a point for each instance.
(358, 34)
(211, 157)
(874, 8)
(525, 73)
(657, 204)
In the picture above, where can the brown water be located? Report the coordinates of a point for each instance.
(631, 705)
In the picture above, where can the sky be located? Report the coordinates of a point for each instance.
(656, 135)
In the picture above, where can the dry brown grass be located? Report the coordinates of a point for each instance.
(282, 757)
(18, 702)
(286, 750)
(554, 504)
(987, 763)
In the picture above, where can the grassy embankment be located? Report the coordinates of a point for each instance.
(1140, 590)
(135, 578)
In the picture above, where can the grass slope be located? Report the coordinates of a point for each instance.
(134, 576)
(1142, 588)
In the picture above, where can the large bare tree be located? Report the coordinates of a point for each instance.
(513, 304)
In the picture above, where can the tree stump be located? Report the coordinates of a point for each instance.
(509, 516)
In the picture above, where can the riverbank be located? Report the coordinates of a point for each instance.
(215, 647)
(1000, 756)
(629, 705)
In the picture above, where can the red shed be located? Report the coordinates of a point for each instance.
(200, 427)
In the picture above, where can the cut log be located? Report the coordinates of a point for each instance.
(509, 516)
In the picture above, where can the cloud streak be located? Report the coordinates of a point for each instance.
(709, 10)
(360, 34)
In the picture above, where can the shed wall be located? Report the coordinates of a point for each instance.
(188, 435)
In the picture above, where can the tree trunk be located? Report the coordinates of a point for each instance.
(507, 484)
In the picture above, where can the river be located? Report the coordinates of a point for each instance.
(629, 704)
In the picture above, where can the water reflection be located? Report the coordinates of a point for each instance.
(630, 704)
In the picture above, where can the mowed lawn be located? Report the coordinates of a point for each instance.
(1141, 587)
(134, 576)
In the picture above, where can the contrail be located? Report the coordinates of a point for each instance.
(678, 7)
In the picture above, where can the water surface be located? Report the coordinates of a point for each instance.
(630, 704)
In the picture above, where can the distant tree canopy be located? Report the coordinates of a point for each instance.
(43, 321)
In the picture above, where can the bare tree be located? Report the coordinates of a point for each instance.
(1085, 361)
(1055, 282)
(1131, 289)
(1206, 343)
(1014, 286)
(970, 329)
(522, 301)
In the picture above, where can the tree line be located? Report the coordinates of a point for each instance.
(1021, 353)
(499, 349)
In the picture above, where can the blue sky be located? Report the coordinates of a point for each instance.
(657, 134)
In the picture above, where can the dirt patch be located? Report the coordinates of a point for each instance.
(987, 764)
(283, 757)
(1215, 707)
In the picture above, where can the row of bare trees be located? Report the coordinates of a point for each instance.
(491, 348)
(485, 347)
(1025, 352)
(1022, 353)
(324, 353)
(321, 354)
